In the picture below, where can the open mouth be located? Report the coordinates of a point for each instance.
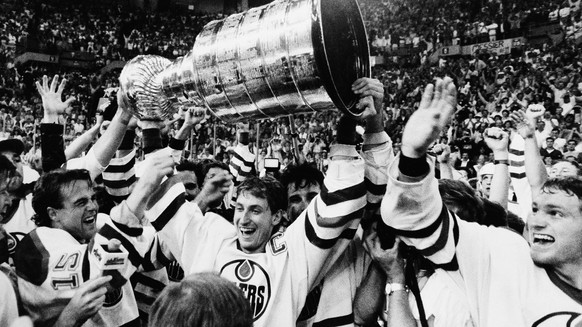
(542, 239)
(90, 220)
(247, 231)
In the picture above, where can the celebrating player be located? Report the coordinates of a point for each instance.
(507, 283)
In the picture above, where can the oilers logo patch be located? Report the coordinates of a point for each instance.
(563, 318)
(253, 280)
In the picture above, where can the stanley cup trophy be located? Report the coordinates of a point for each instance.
(287, 57)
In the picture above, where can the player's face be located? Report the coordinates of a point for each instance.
(486, 185)
(299, 197)
(5, 198)
(563, 169)
(554, 229)
(254, 222)
(190, 183)
(78, 213)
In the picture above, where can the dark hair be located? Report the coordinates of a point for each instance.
(460, 195)
(205, 166)
(266, 188)
(48, 192)
(188, 165)
(469, 206)
(202, 300)
(570, 185)
(301, 176)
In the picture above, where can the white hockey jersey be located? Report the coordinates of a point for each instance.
(276, 282)
(51, 265)
(502, 284)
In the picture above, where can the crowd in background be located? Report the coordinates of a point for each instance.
(487, 81)
(494, 93)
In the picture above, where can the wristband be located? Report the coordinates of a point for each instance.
(413, 167)
(501, 162)
(128, 139)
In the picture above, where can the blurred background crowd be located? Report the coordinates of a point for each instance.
(403, 35)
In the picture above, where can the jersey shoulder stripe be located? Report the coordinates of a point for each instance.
(31, 259)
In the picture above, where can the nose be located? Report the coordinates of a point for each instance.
(93, 205)
(536, 221)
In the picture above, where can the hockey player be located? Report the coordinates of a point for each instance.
(506, 282)
(60, 275)
(274, 270)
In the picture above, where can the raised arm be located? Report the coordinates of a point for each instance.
(106, 146)
(412, 205)
(82, 142)
(498, 140)
(443, 153)
(535, 170)
(52, 143)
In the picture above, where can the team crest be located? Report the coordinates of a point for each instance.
(561, 318)
(253, 280)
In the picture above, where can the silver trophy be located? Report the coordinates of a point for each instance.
(287, 57)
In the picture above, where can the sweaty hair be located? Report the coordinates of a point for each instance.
(469, 206)
(48, 192)
(459, 195)
(570, 185)
(265, 188)
(201, 300)
(301, 176)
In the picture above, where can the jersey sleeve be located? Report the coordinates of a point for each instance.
(89, 162)
(488, 258)
(184, 231)
(119, 177)
(333, 215)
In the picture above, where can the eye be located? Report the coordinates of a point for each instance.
(556, 213)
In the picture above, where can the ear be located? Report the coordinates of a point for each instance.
(52, 213)
(277, 217)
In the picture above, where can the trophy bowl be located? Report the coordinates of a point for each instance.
(284, 58)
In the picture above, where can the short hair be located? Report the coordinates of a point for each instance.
(205, 166)
(193, 166)
(549, 138)
(301, 176)
(569, 185)
(204, 300)
(48, 192)
(265, 188)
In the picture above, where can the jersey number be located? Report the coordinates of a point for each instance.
(68, 262)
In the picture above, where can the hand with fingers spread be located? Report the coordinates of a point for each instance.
(425, 124)
(523, 125)
(497, 140)
(52, 99)
(371, 92)
(86, 302)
